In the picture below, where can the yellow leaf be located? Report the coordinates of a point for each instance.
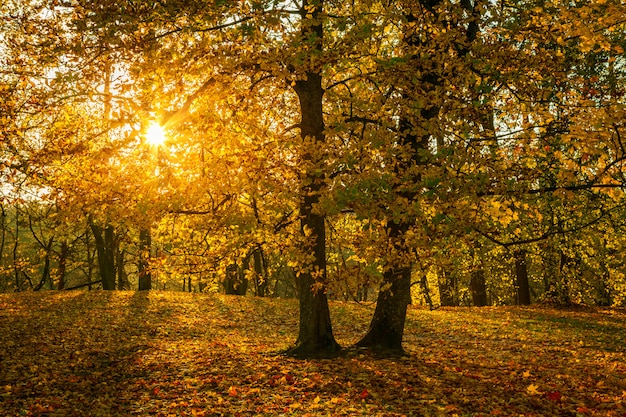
(526, 374)
(533, 389)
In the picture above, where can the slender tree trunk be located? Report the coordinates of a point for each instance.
(122, 276)
(62, 265)
(426, 290)
(45, 275)
(16, 268)
(446, 288)
(145, 245)
(90, 261)
(3, 233)
(521, 274)
(260, 278)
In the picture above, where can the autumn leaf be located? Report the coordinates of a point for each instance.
(533, 389)
(364, 394)
(554, 396)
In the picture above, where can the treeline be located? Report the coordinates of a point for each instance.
(38, 254)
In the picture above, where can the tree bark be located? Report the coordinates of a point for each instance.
(386, 330)
(62, 265)
(447, 284)
(105, 249)
(260, 277)
(521, 274)
(315, 336)
(235, 282)
(145, 244)
(122, 277)
(478, 288)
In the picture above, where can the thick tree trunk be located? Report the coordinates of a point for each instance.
(315, 336)
(145, 245)
(521, 274)
(386, 329)
(105, 249)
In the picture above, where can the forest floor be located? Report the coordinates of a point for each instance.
(178, 354)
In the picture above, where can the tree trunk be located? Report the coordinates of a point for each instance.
(235, 282)
(386, 329)
(105, 249)
(260, 278)
(145, 245)
(45, 275)
(478, 288)
(122, 277)
(447, 286)
(62, 265)
(16, 269)
(315, 336)
(3, 232)
(521, 273)
(426, 290)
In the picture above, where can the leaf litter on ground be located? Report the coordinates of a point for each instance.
(178, 354)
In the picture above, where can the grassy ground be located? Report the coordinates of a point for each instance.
(175, 354)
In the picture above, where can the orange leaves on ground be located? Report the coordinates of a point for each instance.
(173, 354)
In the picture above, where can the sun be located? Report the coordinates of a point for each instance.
(155, 135)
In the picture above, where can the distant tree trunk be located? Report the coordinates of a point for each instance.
(363, 290)
(557, 283)
(45, 275)
(315, 335)
(90, 261)
(235, 282)
(145, 245)
(478, 288)
(260, 277)
(122, 277)
(16, 269)
(3, 217)
(426, 290)
(62, 265)
(521, 274)
(447, 284)
(105, 247)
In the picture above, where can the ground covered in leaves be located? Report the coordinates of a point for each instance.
(177, 354)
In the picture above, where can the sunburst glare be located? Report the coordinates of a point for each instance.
(155, 135)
